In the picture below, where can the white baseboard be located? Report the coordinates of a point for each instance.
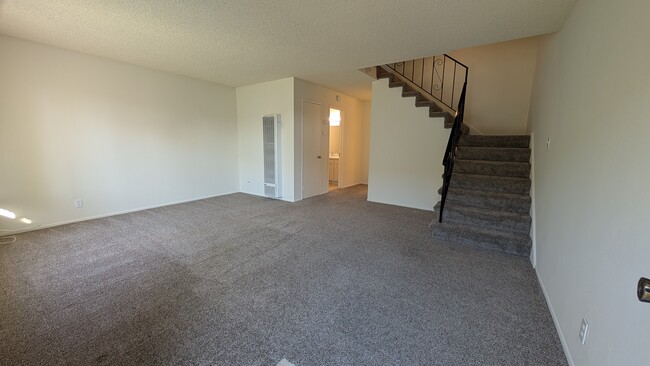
(59, 223)
(565, 347)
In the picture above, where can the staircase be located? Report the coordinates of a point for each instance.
(436, 109)
(487, 200)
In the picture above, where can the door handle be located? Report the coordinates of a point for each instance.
(643, 290)
(319, 156)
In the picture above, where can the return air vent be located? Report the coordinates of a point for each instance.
(272, 147)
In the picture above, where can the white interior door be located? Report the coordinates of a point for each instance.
(315, 141)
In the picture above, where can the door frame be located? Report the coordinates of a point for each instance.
(302, 146)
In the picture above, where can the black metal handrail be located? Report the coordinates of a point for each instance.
(437, 76)
(450, 152)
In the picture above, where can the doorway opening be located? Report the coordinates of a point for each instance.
(334, 167)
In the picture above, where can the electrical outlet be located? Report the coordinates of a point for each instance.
(584, 331)
(78, 203)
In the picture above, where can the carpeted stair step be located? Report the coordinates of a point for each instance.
(491, 183)
(495, 141)
(500, 221)
(381, 73)
(506, 202)
(436, 109)
(511, 243)
(395, 82)
(493, 153)
(407, 91)
(495, 168)
(421, 101)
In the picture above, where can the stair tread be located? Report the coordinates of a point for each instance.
(505, 242)
(477, 211)
(495, 183)
(490, 177)
(496, 220)
(470, 192)
(492, 168)
(493, 162)
(381, 73)
(500, 136)
(495, 148)
(520, 141)
(472, 198)
(486, 231)
(512, 154)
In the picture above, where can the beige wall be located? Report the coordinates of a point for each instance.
(335, 139)
(353, 131)
(591, 95)
(120, 137)
(406, 150)
(253, 102)
(499, 85)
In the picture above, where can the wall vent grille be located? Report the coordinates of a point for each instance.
(272, 148)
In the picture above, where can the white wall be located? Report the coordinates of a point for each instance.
(406, 150)
(592, 88)
(353, 131)
(499, 85)
(118, 136)
(253, 102)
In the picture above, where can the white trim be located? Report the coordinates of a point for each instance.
(46, 226)
(565, 346)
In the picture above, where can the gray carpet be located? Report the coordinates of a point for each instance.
(244, 280)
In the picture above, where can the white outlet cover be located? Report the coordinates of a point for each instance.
(79, 203)
(584, 331)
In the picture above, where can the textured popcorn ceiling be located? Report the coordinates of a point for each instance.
(244, 42)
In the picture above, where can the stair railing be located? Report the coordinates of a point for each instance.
(440, 77)
(450, 152)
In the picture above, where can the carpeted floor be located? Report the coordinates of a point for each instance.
(244, 280)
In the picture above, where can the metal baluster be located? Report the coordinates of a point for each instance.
(442, 79)
(422, 74)
(453, 86)
(431, 83)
